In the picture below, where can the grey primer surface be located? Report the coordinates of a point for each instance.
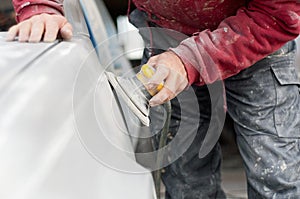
(56, 140)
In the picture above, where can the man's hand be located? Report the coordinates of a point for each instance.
(171, 71)
(43, 27)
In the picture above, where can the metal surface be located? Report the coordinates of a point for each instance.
(46, 146)
(106, 42)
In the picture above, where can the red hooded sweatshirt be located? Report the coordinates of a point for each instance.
(229, 35)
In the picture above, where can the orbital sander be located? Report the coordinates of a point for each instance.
(134, 92)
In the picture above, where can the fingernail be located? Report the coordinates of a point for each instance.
(9, 38)
(153, 103)
(23, 39)
(67, 34)
(67, 31)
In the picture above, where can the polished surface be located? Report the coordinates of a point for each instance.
(62, 134)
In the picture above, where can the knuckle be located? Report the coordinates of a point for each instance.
(161, 68)
(171, 96)
(24, 25)
(69, 27)
(152, 60)
(168, 92)
(64, 20)
(35, 18)
(43, 15)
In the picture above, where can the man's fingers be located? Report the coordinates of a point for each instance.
(170, 90)
(12, 33)
(152, 61)
(37, 31)
(159, 76)
(171, 72)
(51, 31)
(34, 28)
(66, 31)
(24, 31)
(172, 83)
(161, 97)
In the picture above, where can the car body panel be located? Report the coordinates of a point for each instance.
(53, 100)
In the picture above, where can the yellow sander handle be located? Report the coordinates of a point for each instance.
(145, 75)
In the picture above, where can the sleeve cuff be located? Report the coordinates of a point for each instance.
(193, 74)
(31, 10)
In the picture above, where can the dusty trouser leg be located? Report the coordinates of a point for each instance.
(190, 177)
(264, 103)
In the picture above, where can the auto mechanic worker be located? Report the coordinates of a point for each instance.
(246, 43)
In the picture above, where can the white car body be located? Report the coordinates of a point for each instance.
(59, 119)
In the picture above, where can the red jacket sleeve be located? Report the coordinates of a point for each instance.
(27, 8)
(254, 32)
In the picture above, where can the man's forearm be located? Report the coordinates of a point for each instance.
(240, 41)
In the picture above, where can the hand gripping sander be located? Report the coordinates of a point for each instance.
(134, 93)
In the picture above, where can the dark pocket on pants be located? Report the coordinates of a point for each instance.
(287, 108)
